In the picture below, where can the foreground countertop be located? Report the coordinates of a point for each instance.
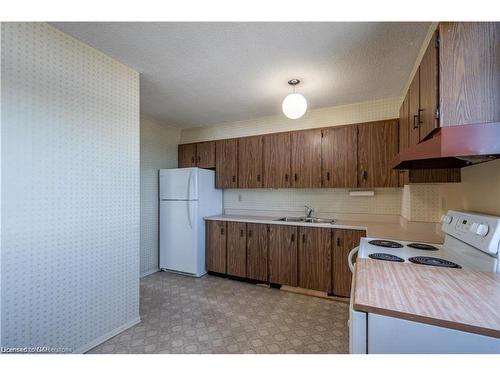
(458, 299)
(392, 231)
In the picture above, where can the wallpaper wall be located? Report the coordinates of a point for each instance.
(158, 150)
(70, 191)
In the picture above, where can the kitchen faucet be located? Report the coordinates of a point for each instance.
(309, 211)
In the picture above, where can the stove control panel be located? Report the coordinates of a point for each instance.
(480, 231)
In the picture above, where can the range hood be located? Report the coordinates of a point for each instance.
(453, 147)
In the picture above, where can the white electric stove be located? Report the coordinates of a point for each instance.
(472, 242)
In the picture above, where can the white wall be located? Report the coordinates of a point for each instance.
(70, 191)
(158, 150)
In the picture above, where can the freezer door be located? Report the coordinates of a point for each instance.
(179, 184)
(178, 236)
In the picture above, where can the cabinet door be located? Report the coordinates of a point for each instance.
(314, 258)
(187, 156)
(469, 72)
(277, 160)
(403, 136)
(429, 89)
(339, 157)
(216, 246)
(205, 155)
(257, 246)
(377, 147)
(306, 159)
(414, 110)
(236, 249)
(226, 164)
(250, 164)
(344, 240)
(283, 254)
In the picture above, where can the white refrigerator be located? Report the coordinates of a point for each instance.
(187, 195)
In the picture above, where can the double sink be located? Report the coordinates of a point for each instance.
(303, 219)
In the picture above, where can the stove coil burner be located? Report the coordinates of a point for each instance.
(430, 261)
(384, 256)
(385, 243)
(423, 246)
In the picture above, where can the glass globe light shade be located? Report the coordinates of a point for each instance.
(294, 106)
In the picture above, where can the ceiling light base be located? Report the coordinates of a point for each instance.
(294, 82)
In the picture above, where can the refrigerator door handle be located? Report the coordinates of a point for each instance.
(189, 184)
(190, 216)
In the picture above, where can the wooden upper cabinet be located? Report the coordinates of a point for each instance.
(226, 164)
(339, 157)
(403, 136)
(377, 147)
(257, 247)
(187, 156)
(314, 258)
(277, 160)
(236, 249)
(205, 154)
(344, 240)
(306, 158)
(250, 163)
(215, 257)
(414, 110)
(469, 72)
(283, 254)
(429, 89)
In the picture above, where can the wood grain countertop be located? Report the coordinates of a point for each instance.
(393, 231)
(452, 298)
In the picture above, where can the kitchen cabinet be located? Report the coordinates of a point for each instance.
(429, 90)
(187, 155)
(205, 154)
(314, 258)
(226, 175)
(469, 73)
(257, 249)
(344, 240)
(377, 147)
(306, 158)
(250, 162)
(236, 249)
(414, 110)
(339, 157)
(403, 136)
(283, 254)
(277, 160)
(215, 255)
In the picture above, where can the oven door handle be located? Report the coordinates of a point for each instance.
(350, 256)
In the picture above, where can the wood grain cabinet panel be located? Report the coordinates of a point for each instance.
(314, 258)
(403, 136)
(205, 154)
(226, 161)
(250, 163)
(257, 252)
(429, 89)
(414, 110)
(377, 147)
(344, 240)
(186, 155)
(469, 72)
(339, 157)
(283, 254)
(277, 160)
(215, 255)
(236, 249)
(306, 158)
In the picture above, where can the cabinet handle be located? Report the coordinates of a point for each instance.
(222, 231)
(286, 177)
(192, 159)
(338, 241)
(416, 124)
(199, 159)
(365, 175)
(303, 238)
(328, 176)
(258, 177)
(293, 238)
(250, 233)
(295, 177)
(241, 232)
(234, 178)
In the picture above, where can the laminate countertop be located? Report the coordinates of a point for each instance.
(452, 298)
(393, 231)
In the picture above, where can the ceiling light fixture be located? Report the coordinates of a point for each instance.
(294, 105)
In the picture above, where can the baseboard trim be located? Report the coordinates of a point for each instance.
(150, 272)
(85, 348)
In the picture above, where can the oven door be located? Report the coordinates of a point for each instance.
(357, 325)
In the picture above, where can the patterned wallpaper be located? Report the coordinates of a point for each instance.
(70, 191)
(158, 150)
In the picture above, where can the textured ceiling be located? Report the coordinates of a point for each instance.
(196, 74)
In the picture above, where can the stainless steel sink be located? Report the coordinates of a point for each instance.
(292, 219)
(313, 220)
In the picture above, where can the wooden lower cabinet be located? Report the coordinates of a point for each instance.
(215, 257)
(257, 249)
(237, 249)
(344, 240)
(283, 254)
(314, 258)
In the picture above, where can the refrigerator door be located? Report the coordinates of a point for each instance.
(179, 184)
(178, 236)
